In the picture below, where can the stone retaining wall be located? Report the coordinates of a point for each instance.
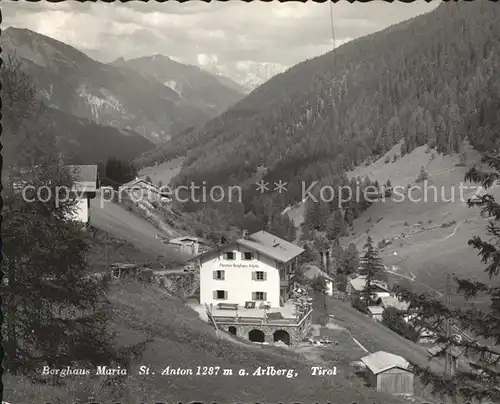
(296, 333)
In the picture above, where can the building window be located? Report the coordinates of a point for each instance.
(248, 256)
(220, 294)
(259, 276)
(229, 255)
(220, 275)
(259, 296)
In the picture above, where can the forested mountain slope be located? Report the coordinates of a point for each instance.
(430, 80)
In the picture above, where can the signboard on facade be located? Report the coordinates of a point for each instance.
(238, 265)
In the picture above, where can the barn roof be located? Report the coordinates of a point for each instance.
(381, 361)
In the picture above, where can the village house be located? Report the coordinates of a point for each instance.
(141, 187)
(312, 271)
(255, 268)
(86, 183)
(356, 285)
(389, 373)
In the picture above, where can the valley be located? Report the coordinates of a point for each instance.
(392, 122)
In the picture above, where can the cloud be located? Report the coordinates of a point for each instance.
(198, 32)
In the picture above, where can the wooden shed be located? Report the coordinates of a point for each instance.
(389, 373)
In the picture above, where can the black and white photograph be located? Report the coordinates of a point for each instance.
(250, 202)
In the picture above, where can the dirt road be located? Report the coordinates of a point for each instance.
(118, 221)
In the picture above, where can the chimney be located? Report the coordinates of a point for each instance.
(245, 234)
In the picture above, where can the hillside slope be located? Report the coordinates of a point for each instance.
(73, 82)
(176, 337)
(429, 80)
(120, 222)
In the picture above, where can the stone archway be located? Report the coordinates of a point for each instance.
(256, 336)
(281, 335)
(232, 329)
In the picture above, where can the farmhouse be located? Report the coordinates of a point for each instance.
(313, 271)
(85, 185)
(389, 373)
(246, 285)
(141, 187)
(358, 284)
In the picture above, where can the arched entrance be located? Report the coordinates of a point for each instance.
(232, 329)
(256, 336)
(281, 335)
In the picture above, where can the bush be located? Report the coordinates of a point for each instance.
(393, 319)
(387, 160)
(360, 305)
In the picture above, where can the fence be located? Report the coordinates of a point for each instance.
(288, 322)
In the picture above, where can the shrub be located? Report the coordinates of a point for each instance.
(360, 305)
(387, 160)
(393, 319)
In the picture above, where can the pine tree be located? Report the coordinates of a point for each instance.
(349, 260)
(481, 379)
(422, 175)
(371, 267)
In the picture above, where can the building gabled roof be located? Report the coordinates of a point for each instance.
(264, 243)
(359, 284)
(313, 271)
(453, 350)
(393, 301)
(271, 245)
(381, 361)
(85, 176)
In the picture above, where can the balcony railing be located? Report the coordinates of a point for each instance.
(289, 322)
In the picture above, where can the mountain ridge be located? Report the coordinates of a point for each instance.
(124, 98)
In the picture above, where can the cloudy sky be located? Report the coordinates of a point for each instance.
(197, 32)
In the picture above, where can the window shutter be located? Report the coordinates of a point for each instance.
(265, 296)
(254, 275)
(265, 276)
(254, 296)
(225, 295)
(215, 294)
(215, 274)
(223, 273)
